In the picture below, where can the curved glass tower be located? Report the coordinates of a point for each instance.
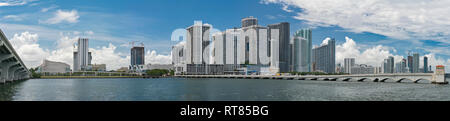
(302, 50)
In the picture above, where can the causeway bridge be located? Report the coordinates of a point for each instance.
(401, 77)
(12, 67)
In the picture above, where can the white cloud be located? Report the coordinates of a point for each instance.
(27, 47)
(13, 17)
(373, 56)
(63, 16)
(14, 2)
(107, 55)
(151, 57)
(48, 8)
(406, 19)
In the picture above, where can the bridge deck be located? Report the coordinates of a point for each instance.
(415, 77)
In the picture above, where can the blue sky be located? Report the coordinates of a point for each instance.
(53, 25)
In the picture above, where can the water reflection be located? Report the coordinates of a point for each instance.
(180, 89)
(8, 90)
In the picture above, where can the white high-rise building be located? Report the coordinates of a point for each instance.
(348, 64)
(82, 57)
(197, 42)
(83, 53)
(275, 50)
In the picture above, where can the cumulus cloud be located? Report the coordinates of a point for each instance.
(63, 16)
(14, 2)
(64, 50)
(151, 57)
(373, 56)
(27, 47)
(107, 55)
(407, 19)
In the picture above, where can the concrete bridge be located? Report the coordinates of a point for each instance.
(411, 77)
(11, 66)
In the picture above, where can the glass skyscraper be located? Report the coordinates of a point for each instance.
(302, 48)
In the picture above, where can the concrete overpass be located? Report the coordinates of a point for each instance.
(411, 77)
(12, 67)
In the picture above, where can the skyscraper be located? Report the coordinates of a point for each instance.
(82, 57)
(137, 56)
(404, 67)
(256, 42)
(410, 64)
(76, 64)
(284, 52)
(385, 66)
(324, 57)
(196, 42)
(302, 48)
(391, 64)
(425, 64)
(416, 63)
(348, 64)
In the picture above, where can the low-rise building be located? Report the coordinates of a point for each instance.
(53, 67)
(362, 69)
(99, 67)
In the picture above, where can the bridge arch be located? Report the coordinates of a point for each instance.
(346, 79)
(404, 79)
(421, 80)
(376, 80)
(361, 79)
(385, 79)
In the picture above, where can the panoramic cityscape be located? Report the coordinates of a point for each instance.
(276, 50)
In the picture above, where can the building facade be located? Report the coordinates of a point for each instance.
(324, 57)
(249, 21)
(301, 49)
(284, 48)
(363, 69)
(53, 67)
(410, 64)
(348, 64)
(425, 64)
(415, 64)
(137, 58)
(83, 53)
(82, 57)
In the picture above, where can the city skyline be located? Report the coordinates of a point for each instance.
(26, 30)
